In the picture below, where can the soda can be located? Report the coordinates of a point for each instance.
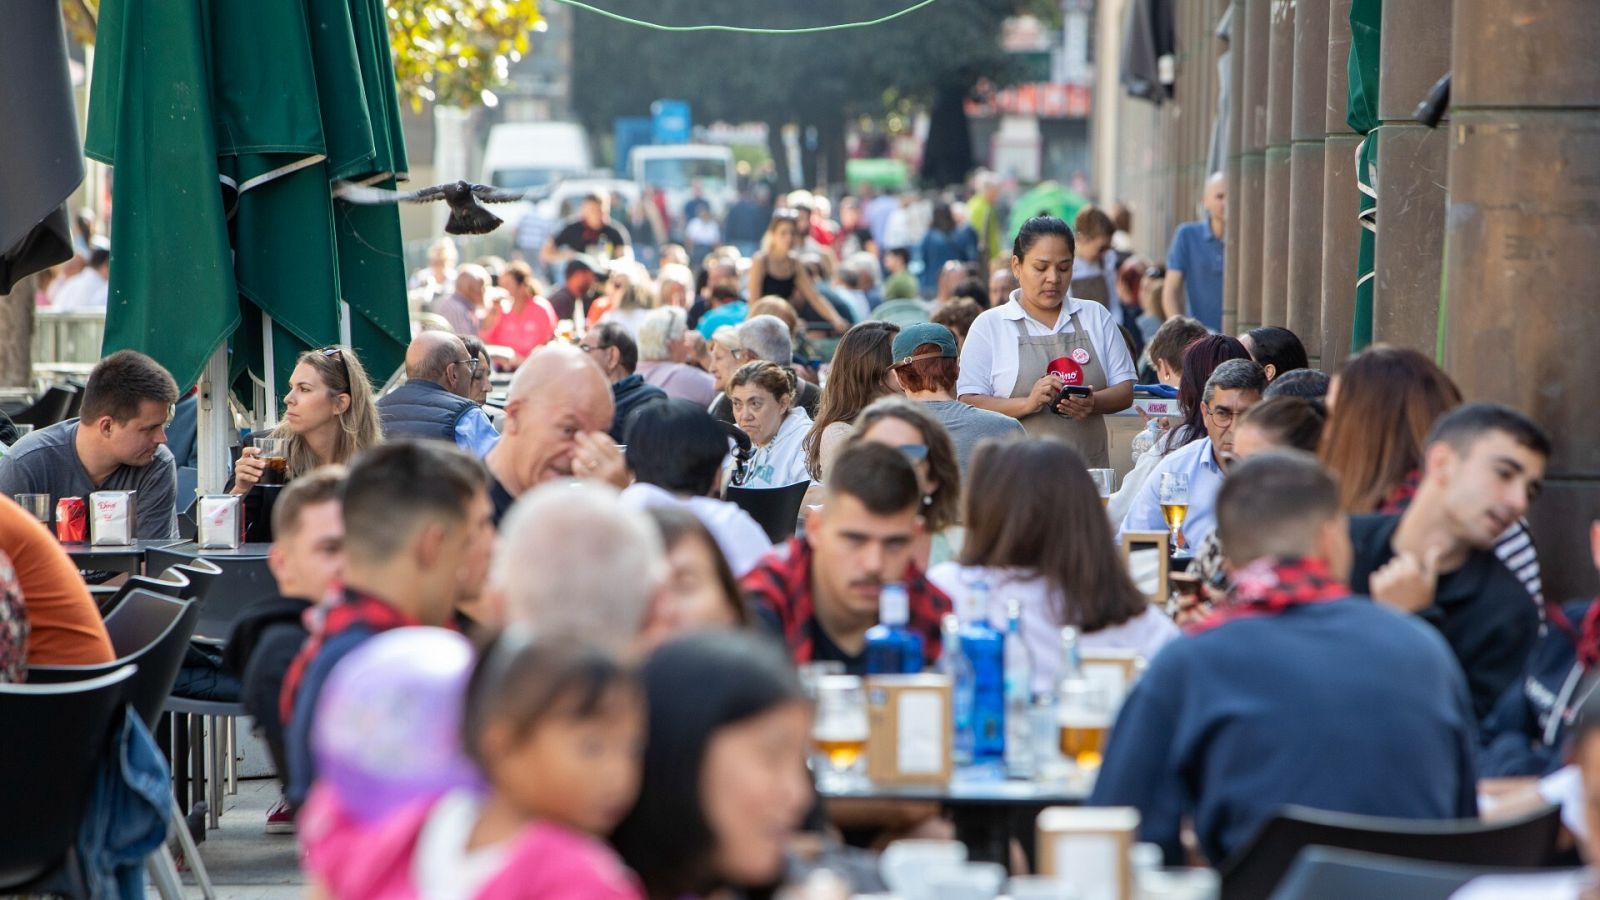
(72, 520)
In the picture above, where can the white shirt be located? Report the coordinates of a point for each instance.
(1041, 626)
(83, 292)
(782, 461)
(442, 868)
(989, 358)
(740, 539)
(1205, 479)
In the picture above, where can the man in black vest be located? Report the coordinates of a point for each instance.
(434, 401)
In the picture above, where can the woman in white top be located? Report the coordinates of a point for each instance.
(1036, 533)
(1018, 357)
(763, 395)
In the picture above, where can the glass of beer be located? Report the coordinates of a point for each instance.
(275, 453)
(1104, 481)
(839, 732)
(1083, 718)
(1173, 494)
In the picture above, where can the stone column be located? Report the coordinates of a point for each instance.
(1409, 252)
(1230, 251)
(1520, 320)
(1280, 115)
(1252, 160)
(1341, 232)
(1308, 131)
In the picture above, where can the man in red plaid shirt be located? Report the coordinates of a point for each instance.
(820, 592)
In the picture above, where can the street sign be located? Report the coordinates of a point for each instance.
(670, 121)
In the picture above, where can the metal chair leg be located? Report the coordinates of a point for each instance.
(191, 852)
(164, 872)
(233, 754)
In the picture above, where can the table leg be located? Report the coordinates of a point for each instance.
(986, 830)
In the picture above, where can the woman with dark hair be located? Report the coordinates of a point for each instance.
(724, 787)
(1277, 350)
(763, 395)
(858, 375)
(776, 271)
(676, 451)
(701, 591)
(1200, 359)
(1382, 405)
(1036, 531)
(1053, 362)
(911, 429)
(943, 243)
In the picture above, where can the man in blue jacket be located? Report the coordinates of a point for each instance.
(1294, 692)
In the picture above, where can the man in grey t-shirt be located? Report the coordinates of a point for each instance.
(117, 444)
(927, 363)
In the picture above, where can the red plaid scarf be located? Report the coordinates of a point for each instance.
(1269, 586)
(1586, 636)
(328, 622)
(1401, 495)
(781, 582)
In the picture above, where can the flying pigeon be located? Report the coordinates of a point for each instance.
(466, 216)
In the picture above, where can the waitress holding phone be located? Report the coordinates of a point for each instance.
(1055, 363)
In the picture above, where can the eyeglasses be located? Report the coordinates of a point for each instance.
(589, 348)
(1222, 415)
(334, 352)
(914, 452)
(471, 364)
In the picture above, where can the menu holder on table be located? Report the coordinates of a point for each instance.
(113, 516)
(1160, 540)
(908, 729)
(1089, 847)
(1114, 670)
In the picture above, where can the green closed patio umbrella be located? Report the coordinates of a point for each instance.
(227, 126)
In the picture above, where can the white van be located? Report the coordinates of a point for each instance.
(533, 154)
(676, 167)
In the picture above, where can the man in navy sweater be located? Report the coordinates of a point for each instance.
(1293, 692)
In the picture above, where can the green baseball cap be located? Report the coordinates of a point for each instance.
(910, 338)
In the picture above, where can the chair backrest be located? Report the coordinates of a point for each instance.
(75, 405)
(201, 574)
(775, 509)
(55, 739)
(1256, 868)
(1327, 873)
(48, 409)
(172, 583)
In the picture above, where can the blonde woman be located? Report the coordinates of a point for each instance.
(329, 416)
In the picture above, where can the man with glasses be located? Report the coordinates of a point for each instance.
(436, 399)
(609, 345)
(1234, 387)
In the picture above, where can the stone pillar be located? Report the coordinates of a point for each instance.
(1520, 321)
(1230, 250)
(1252, 159)
(1280, 115)
(1341, 232)
(1409, 252)
(1308, 131)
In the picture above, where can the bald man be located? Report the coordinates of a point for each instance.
(463, 308)
(435, 400)
(1194, 261)
(558, 412)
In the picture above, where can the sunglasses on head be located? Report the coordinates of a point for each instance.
(335, 352)
(914, 452)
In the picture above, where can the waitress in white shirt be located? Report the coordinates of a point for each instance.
(1019, 356)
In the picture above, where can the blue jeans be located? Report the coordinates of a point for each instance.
(128, 813)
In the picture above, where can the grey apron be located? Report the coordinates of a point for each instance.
(1034, 354)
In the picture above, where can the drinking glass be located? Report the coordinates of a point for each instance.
(839, 733)
(1104, 481)
(1173, 492)
(275, 453)
(37, 505)
(812, 673)
(1083, 719)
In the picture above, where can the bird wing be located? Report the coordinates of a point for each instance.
(488, 193)
(357, 193)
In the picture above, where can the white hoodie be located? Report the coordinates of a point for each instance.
(782, 461)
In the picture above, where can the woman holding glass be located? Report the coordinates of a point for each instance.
(1053, 362)
(329, 416)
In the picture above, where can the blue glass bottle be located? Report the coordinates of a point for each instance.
(892, 648)
(954, 663)
(984, 647)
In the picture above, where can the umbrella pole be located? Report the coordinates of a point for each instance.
(215, 423)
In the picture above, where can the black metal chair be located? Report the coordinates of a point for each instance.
(51, 407)
(56, 736)
(1255, 870)
(1326, 873)
(170, 584)
(776, 510)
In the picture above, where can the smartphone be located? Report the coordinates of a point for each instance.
(1071, 390)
